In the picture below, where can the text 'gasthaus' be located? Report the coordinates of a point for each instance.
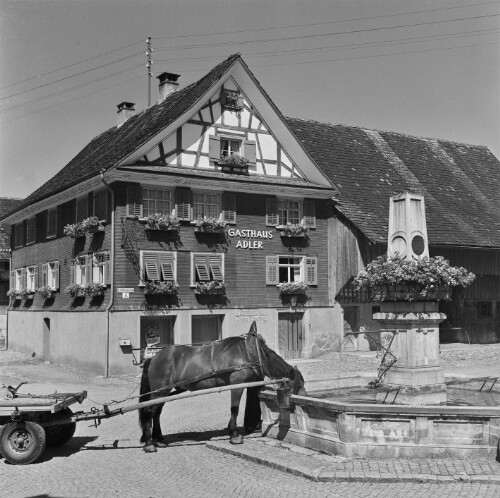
(250, 234)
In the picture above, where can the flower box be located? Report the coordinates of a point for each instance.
(161, 222)
(155, 287)
(214, 287)
(14, 294)
(75, 290)
(209, 225)
(399, 279)
(94, 289)
(234, 163)
(293, 230)
(91, 225)
(46, 292)
(292, 288)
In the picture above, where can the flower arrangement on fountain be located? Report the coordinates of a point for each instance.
(46, 292)
(234, 161)
(94, 289)
(292, 288)
(294, 230)
(91, 224)
(212, 287)
(156, 287)
(398, 279)
(160, 221)
(207, 224)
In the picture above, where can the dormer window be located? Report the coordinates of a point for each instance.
(229, 147)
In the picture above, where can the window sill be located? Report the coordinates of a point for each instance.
(51, 236)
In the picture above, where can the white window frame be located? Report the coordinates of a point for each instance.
(299, 265)
(52, 274)
(194, 271)
(306, 266)
(284, 208)
(99, 261)
(196, 194)
(19, 283)
(81, 277)
(146, 211)
(230, 152)
(143, 274)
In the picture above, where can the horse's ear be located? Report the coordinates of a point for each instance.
(295, 367)
(253, 329)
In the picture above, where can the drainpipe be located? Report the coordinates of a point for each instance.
(112, 267)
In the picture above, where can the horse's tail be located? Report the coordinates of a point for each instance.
(144, 396)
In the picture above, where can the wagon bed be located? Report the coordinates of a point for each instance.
(51, 403)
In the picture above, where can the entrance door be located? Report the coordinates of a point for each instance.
(157, 326)
(290, 334)
(206, 328)
(46, 340)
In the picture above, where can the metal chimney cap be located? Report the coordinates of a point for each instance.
(126, 105)
(169, 78)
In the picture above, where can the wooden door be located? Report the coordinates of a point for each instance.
(206, 328)
(290, 334)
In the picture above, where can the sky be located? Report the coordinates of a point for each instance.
(428, 68)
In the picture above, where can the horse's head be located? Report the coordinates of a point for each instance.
(298, 383)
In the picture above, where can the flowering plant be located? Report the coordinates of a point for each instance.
(292, 287)
(161, 287)
(91, 224)
(234, 160)
(232, 100)
(407, 280)
(210, 224)
(94, 289)
(75, 290)
(14, 293)
(46, 291)
(162, 222)
(74, 230)
(212, 287)
(295, 229)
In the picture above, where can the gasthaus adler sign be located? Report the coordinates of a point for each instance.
(255, 237)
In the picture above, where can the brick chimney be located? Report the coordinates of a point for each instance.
(125, 111)
(168, 84)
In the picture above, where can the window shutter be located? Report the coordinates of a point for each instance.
(88, 269)
(56, 274)
(134, 201)
(100, 204)
(272, 270)
(167, 266)
(200, 263)
(183, 204)
(35, 276)
(310, 213)
(214, 148)
(51, 222)
(229, 208)
(82, 208)
(215, 261)
(272, 217)
(311, 271)
(250, 149)
(12, 279)
(107, 269)
(151, 265)
(72, 272)
(24, 282)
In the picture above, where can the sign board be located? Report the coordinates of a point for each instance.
(125, 289)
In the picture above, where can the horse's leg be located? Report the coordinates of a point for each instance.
(253, 414)
(235, 436)
(158, 440)
(146, 419)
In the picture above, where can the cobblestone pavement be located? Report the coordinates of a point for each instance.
(108, 461)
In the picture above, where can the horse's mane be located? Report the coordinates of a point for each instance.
(274, 364)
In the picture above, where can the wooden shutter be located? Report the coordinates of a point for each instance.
(56, 274)
(24, 282)
(183, 204)
(35, 276)
(215, 261)
(82, 208)
(107, 268)
(89, 259)
(167, 265)
(214, 148)
(150, 261)
(309, 213)
(72, 271)
(12, 279)
(272, 270)
(134, 201)
(100, 204)
(250, 151)
(201, 265)
(272, 217)
(42, 275)
(311, 271)
(51, 222)
(229, 207)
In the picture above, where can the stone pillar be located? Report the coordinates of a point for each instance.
(417, 372)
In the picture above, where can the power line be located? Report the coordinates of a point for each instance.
(298, 37)
(323, 22)
(69, 65)
(69, 89)
(70, 76)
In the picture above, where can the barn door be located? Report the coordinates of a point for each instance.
(206, 328)
(291, 334)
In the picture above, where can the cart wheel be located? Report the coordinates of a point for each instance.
(22, 442)
(57, 435)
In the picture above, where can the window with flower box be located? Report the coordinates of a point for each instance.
(281, 269)
(156, 200)
(81, 270)
(20, 279)
(31, 278)
(207, 267)
(221, 146)
(52, 222)
(49, 273)
(206, 204)
(280, 212)
(101, 268)
(158, 266)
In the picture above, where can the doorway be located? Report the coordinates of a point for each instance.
(290, 334)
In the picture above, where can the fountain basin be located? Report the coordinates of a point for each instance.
(382, 430)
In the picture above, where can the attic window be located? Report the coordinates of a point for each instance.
(231, 99)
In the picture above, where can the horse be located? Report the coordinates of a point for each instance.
(234, 360)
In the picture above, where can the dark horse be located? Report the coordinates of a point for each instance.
(234, 360)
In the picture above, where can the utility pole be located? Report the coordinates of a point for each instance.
(148, 65)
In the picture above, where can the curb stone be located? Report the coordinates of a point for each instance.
(315, 467)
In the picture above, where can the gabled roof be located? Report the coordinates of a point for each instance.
(460, 183)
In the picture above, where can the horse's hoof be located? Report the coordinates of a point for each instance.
(251, 430)
(161, 444)
(150, 448)
(236, 440)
